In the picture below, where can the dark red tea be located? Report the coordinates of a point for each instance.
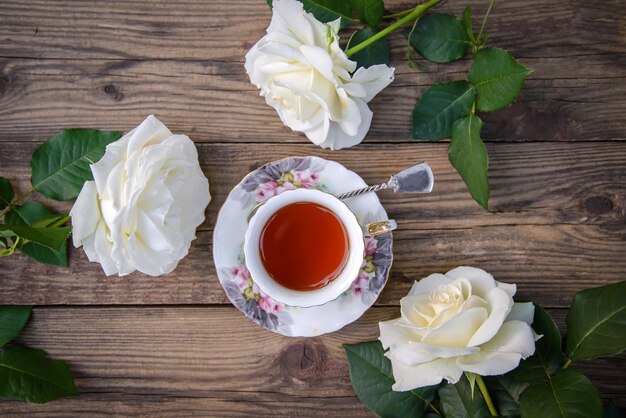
(304, 246)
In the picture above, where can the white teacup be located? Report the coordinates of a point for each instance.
(306, 298)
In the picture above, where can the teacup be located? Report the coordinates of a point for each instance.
(296, 222)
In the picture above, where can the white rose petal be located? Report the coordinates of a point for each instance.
(461, 321)
(300, 69)
(145, 203)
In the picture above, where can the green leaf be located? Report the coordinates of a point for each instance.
(548, 357)
(439, 107)
(6, 193)
(52, 237)
(36, 214)
(61, 165)
(329, 10)
(505, 392)
(596, 322)
(468, 155)
(369, 12)
(375, 53)
(28, 213)
(372, 378)
(467, 23)
(440, 37)
(457, 401)
(567, 394)
(12, 320)
(497, 78)
(26, 374)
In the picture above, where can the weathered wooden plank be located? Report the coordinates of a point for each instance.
(224, 30)
(532, 183)
(549, 263)
(557, 226)
(97, 75)
(210, 361)
(214, 101)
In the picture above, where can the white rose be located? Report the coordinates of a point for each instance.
(142, 210)
(304, 75)
(463, 321)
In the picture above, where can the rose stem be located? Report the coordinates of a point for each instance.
(418, 11)
(485, 392)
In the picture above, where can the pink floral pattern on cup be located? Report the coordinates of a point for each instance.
(307, 179)
(362, 283)
(370, 246)
(273, 179)
(290, 180)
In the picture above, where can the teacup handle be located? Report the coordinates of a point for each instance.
(382, 227)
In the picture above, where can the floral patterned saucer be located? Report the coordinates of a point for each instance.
(228, 238)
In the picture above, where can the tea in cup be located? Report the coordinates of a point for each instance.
(304, 247)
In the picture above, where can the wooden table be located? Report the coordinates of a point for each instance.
(173, 345)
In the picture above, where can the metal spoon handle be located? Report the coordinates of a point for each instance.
(364, 190)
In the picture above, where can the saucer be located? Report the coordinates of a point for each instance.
(228, 238)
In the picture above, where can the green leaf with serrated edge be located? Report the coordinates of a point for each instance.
(567, 394)
(439, 107)
(467, 23)
(36, 214)
(372, 378)
(548, 357)
(457, 401)
(440, 37)
(369, 12)
(25, 373)
(468, 155)
(52, 237)
(46, 255)
(61, 165)
(6, 193)
(329, 10)
(375, 53)
(29, 213)
(596, 322)
(12, 320)
(497, 78)
(505, 393)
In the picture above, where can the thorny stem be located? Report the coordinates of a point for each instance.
(485, 392)
(414, 14)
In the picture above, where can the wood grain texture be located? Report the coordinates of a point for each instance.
(213, 101)
(558, 224)
(558, 220)
(108, 65)
(211, 361)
